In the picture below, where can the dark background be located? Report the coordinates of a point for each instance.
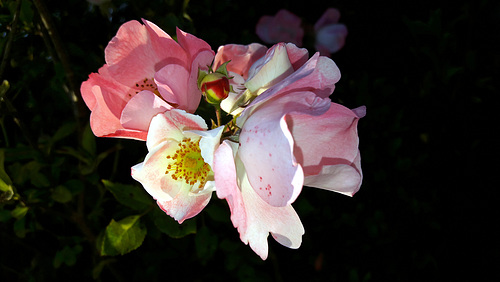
(427, 72)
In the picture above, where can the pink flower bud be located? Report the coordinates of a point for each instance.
(215, 86)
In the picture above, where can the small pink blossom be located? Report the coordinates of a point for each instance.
(146, 73)
(330, 35)
(283, 27)
(177, 170)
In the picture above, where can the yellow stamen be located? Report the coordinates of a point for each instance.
(187, 164)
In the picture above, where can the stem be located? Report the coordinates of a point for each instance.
(77, 104)
(8, 45)
(218, 114)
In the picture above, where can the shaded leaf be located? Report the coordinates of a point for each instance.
(67, 255)
(122, 236)
(129, 195)
(61, 194)
(169, 226)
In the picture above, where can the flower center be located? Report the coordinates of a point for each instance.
(146, 84)
(187, 164)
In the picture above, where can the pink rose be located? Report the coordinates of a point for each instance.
(283, 27)
(330, 35)
(146, 73)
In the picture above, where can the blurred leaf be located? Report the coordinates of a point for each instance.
(169, 226)
(20, 227)
(129, 195)
(88, 140)
(5, 181)
(19, 212)
(61, 194)
(122, 236)
(64, 131)
(67, 255)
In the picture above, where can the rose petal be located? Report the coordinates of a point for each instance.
(139, 111)
(170, 125)
(253, 217)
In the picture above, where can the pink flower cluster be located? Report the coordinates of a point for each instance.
(285, 26)
(284, 131)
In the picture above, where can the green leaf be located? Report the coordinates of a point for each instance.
(122, 236)
(61, 194)
(64, 131)
(19, 212)
(6, 188)
(169, 226)
(88, 141)
(129, 195)
(67, 255)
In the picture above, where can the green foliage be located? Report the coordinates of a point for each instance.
(121, 237)
(171, 227)
(131, 196)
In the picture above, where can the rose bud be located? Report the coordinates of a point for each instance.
(215, 87)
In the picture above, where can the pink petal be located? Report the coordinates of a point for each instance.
(172, 82)
(327, 148)
(266, 146)
(185, 206)
(170, 125)
(151, 172)
(342, 178)
(330, 16)
(104, 97)
(270, 69)
(192, 45)
(283, 27)
(253, 217)
(241, 57)
(139, 111)
(297, 56)
(130, 55)
(330, 39)
(173, 197)
(319, 75)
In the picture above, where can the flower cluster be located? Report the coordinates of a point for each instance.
(329, 35)
(282, 130)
